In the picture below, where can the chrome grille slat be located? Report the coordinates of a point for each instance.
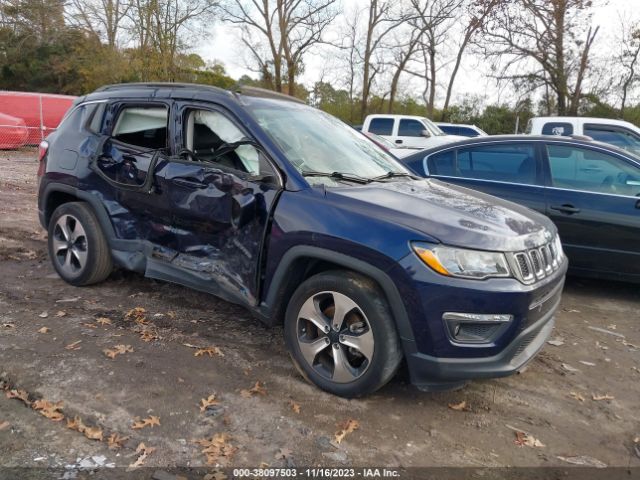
(535, 263)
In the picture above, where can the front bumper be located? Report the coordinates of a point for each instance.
(437, 361)
(430, 372)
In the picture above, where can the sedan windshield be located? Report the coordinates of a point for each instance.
(317, 143)
(432, 127)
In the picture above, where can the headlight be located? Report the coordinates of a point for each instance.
(557, 245)
(460, 262)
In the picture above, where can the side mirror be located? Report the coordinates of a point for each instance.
(425, 133)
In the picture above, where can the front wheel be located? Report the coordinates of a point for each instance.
(341, 334)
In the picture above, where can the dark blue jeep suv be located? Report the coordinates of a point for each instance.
(276, 206)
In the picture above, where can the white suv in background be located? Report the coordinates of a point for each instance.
(407, 131)
(616, 132)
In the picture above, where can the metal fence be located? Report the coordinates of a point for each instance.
(27, 118)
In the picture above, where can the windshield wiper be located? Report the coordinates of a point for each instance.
(338, 175)
(393, 175)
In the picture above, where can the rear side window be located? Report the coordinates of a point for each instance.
(557, 128)
(410, 128)
(381, 126)
(95, 125)
(449, 129)
(504, 163)
(468, 132)
(144, 127)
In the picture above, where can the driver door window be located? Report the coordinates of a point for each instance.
(592, 171)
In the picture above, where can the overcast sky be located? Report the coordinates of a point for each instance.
(224, 46)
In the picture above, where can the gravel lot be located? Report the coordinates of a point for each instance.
(579, 398)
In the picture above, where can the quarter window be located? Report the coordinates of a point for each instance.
(591, 170)
(410, 128)
(144, 127)
(381, 126)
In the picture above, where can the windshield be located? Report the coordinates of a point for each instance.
(432, 127)
(314, 141)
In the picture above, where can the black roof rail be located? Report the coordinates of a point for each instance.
(133, 85)
(264, 93)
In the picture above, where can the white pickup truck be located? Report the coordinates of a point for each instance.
(616, 132)
(407, 131)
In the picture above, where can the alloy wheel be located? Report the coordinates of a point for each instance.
(335, 337)
(69, 245)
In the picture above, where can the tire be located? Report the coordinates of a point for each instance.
(77, 247)
(343, 316)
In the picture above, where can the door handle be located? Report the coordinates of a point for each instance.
(566, 208)
(188, 183)
(398, 142)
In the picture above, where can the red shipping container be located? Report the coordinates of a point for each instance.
(13, 132)
(41, 112)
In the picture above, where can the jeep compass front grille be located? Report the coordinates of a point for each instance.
(535, 263)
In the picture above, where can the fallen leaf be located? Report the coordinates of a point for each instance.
(598, 398)
(74, 345)
(118, 350)
(583, 460)
(346, 428)
(217, 448)
(116, 441)
(44, 315)
(143, 452)
(93, 433)
(257, 389)
(61, 313)
(460, 407)
(135, 313)
(569, 368)
(150, 421)
(4, 425)
(524, 439)
(294, 406)
(283, 454)
(48, 409)
(556, 342)
(44, 330)
(577, 396)
(148, 336)
(9, 325)
(20, 395)
(171, 315)
(208, 402)
(89, 325)
(211, 351)
(103, 321)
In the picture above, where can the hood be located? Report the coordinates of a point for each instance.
(453, 215)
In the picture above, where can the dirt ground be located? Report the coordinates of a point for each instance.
(580, 398)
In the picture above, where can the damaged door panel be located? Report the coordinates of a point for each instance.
(220, 196)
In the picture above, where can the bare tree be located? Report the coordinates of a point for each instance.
(104, 18)
(472, 17)
(383, 16)
(628, 59)
(160, 28)
(290, 29)
(537, 43)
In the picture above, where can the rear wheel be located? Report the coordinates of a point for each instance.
(77, 247)
(341, 335)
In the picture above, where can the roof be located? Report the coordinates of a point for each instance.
(189, 89)
(528, 138)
